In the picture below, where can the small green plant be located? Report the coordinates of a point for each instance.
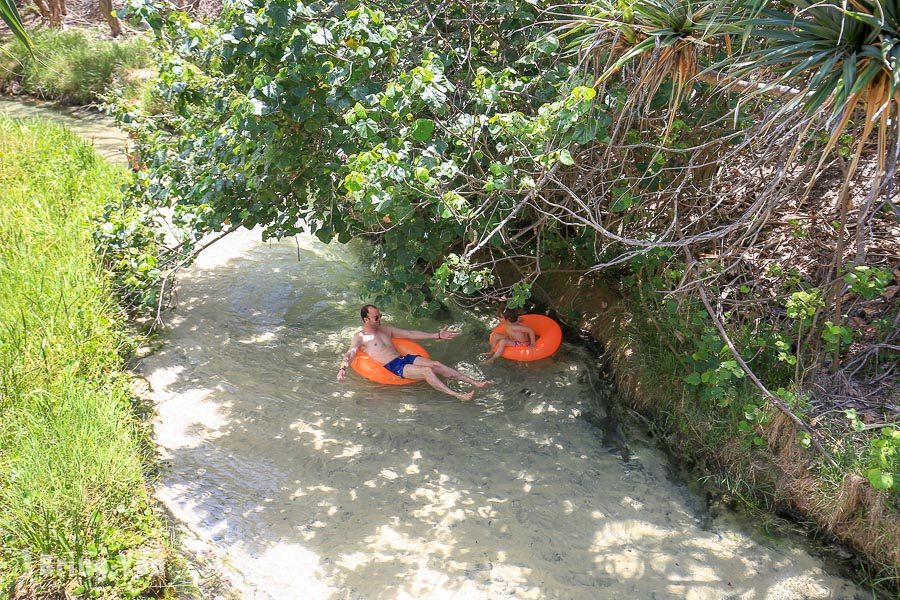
(836, 336)
(868, 282)
(884, 460)
(803, 305)
(799, 403)
(128, 240)
(713, 373)
(783, 349)
(855, 422)
(798, 229)
(755, 416)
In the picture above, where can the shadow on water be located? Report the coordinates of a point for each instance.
(315, 489)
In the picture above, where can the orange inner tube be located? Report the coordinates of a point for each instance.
(373, 370)
(546, 331)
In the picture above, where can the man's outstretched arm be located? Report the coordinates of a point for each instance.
(411, 334)
(355, 343)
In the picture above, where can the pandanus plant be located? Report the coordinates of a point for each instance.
(655, 39)
(845, 58)
(840, 58)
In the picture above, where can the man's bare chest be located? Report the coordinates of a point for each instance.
(374, 342)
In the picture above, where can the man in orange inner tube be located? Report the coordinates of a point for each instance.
(375, 340)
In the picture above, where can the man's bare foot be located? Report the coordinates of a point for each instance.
(482, 384)
(466, 397)
(488, 361)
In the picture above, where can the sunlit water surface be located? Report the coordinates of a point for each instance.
(308, 488)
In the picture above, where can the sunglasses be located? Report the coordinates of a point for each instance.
(375, 317)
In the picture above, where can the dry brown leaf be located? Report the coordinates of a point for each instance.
(856, 323)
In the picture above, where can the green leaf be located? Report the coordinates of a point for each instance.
(693, 378)
(422, 129)
(321, 35)
(366, 128)
(383, 203)
(10, 15)
(548, 44)
(879, 479)
(623, 202)
(565, 157)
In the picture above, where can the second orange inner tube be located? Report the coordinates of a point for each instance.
(373, 370)
(548, 336)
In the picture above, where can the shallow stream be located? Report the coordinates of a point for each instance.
(308, 488)
(98, 129)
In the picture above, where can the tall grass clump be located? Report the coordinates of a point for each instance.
(76, 67)
(75, 516)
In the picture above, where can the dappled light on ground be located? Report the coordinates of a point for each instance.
(308, 488)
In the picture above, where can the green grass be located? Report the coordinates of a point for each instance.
(72, 490)
(76, 67)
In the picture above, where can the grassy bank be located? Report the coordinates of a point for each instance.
(75, 515)
(77, 67)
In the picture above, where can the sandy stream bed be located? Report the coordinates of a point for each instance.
(306, 488)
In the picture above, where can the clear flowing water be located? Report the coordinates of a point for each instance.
(94, 127)
(309, 488)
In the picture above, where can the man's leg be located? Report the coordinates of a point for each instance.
(444, 370)
(419, 372)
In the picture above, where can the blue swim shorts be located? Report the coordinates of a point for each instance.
(396, 365)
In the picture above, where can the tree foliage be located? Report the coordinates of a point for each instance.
(419, 132)
(468, 139)
(459, 135)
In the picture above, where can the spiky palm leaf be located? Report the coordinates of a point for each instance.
(662, 38)
(10, 15)
(844, 58)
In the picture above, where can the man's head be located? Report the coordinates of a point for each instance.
(370, 315)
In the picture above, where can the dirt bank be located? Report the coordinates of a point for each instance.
(857, 515)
